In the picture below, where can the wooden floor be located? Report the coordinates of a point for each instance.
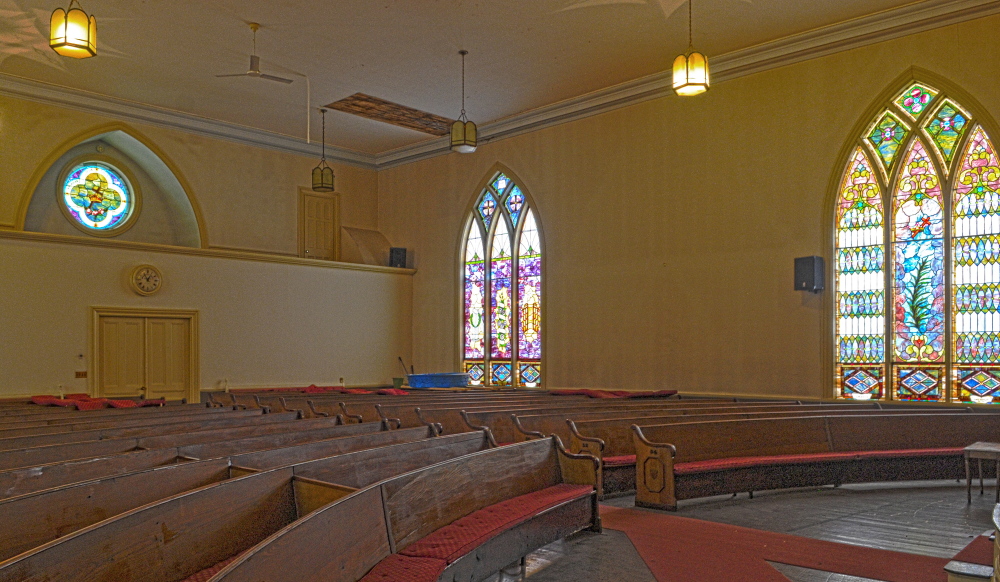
(929, 518)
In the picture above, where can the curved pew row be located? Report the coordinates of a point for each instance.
(84, 425)
(553, 421)
(48, 515)
(177, 537)
(77, 416)
(180, 425)
(47, 454)
(172, 449)
(449, 414)
(611, 439)
(700, 459)
(462, 519)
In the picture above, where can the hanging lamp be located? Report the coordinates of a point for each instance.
(463, 131)
(72, 33)
(690, 69)
(323, 174)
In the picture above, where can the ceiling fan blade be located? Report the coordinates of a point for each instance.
(273, 78)
(233, 75)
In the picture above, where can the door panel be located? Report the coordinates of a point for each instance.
(318, 227)
(122, 354)
(167, 358)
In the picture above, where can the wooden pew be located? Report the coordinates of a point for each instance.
(611, 439)
(217, 444)
(47, 515)
(698, 459)
(181, 426)
(450, 416)
(553, 421)
(177, 537)
(369, 531)
(83, 424)
(76, 416)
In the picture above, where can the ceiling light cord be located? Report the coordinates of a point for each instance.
(463, 52)
(690, 26)
(322, 111)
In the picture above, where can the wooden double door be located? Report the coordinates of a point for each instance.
(145, 354)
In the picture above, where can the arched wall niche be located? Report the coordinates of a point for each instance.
(166, 213)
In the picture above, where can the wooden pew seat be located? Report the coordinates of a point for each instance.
(426, 559)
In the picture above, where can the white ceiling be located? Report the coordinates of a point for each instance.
(524, 54)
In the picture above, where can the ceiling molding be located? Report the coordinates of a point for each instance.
(132, 111)
(911, 19)
(906, 20)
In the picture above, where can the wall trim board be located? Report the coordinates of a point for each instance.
(241, 255)
(910, 19)
(249, 250)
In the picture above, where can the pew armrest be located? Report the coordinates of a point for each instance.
(285, 408)
(348, 417)
(312, 409)
(582, 469)
(654, 472)
(485, 429)
(437, 429)
(581, 443)
(530, 434)
(642, 438)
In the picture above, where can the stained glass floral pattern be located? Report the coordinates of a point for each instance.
(503, 289)
(475, 294)
(529, 291)
(914, 100)
(860, 266)
(944, 190)
(945, 129)
(886, 136)
(919, 261)
(502, 300)
(97, 197)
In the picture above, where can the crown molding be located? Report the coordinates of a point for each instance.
(851, 34)
(133, 111)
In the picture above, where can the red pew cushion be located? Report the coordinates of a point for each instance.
(710, 465)
(459, 538)
(393, 392)
(397, 568)
(613, 393)
(619, 460)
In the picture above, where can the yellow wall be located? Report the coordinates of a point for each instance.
(262, 323)
(670, 226)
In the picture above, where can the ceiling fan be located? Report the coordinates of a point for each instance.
(255, 62)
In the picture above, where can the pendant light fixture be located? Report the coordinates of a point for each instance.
(72, 33)
(323, 174)
(691, 69)
(463, 131)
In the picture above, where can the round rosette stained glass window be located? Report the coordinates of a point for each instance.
(97, 197)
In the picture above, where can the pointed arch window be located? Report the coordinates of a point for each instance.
(502, 284)
(918, 256)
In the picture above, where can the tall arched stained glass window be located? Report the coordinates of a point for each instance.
(502, 299)
(918, 256)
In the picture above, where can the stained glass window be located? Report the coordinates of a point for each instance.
(502, 300)
(97, 197)
(918, 253)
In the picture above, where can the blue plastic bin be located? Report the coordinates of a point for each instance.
(438, 380)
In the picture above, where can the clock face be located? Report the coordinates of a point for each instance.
(146, 280)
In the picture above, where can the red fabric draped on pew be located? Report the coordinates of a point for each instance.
(613, 393)
(743, 462)
(84, 402)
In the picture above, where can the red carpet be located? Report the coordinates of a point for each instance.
(980, 551)
(680, 549)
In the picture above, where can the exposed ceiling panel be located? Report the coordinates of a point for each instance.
(523, 54)
(394, 113)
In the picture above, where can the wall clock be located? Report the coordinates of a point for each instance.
(146, 279)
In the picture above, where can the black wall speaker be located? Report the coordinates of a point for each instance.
(397, 257)
(809, 274)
